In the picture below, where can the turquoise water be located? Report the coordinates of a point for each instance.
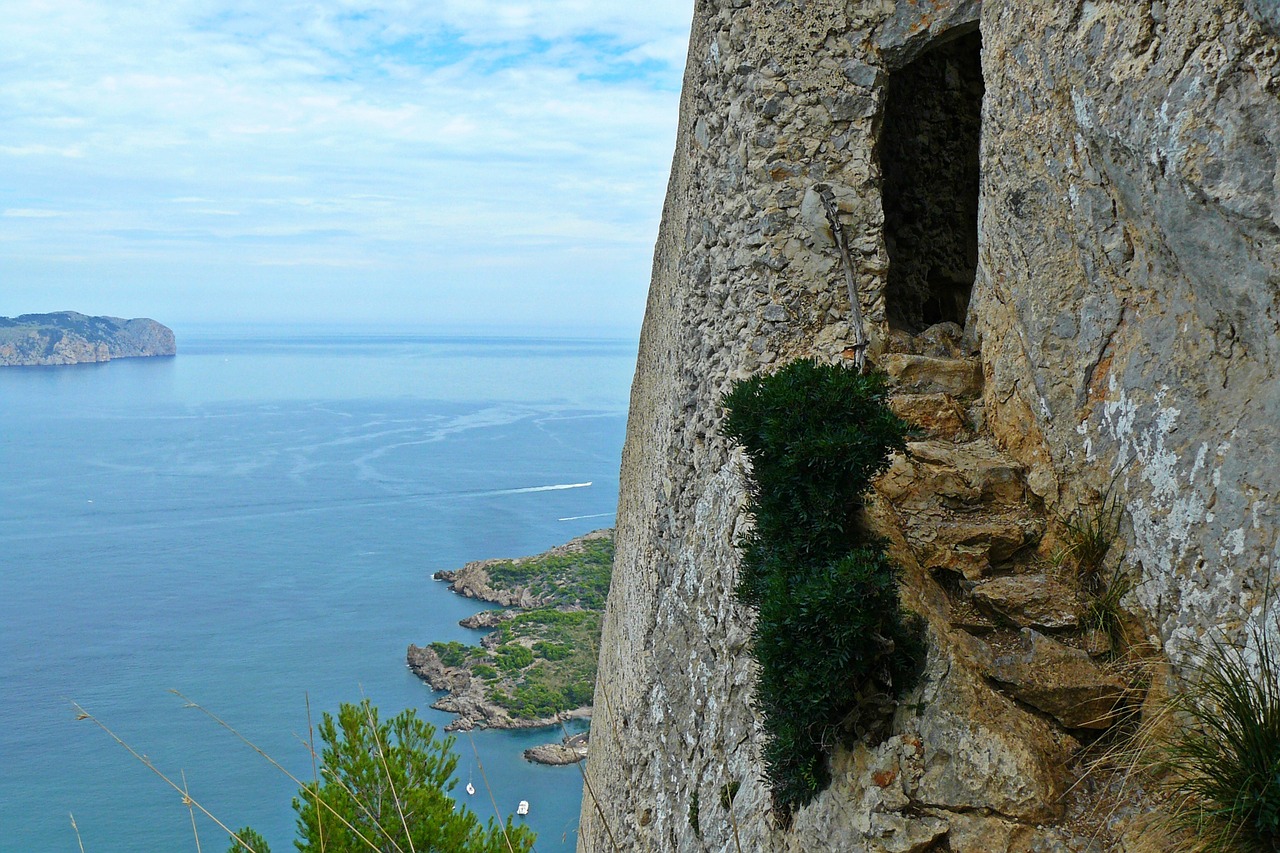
(254, 523)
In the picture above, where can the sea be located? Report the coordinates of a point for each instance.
(246, 533)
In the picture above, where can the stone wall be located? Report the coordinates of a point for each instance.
(1125, 304)
(1130, 274)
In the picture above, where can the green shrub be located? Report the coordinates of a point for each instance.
(483, 670)
(453, 653)
(512, 657)
(816, 435)
(832, 642)
(552, 651)
(1225, 757)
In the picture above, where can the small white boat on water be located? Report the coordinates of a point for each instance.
(471, 789)
(523, 808)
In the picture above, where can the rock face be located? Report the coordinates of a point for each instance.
(70, 338)
(1122, 328)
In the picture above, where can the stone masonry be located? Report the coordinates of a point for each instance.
(1121, 333)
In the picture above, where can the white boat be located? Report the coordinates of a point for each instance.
(471, 789)
(523, 808)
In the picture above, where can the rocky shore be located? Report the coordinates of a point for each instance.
(67, 337)
(537, 666)
(467, 697)
(570, 750)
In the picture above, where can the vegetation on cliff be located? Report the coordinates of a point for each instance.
(561, 578)
(1223, 758)
(540, 660)
(832, 642)
(537, 665)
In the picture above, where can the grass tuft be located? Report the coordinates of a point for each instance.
(1091, 533)
(1224, 756)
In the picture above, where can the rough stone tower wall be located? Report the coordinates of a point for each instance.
(1129, 233)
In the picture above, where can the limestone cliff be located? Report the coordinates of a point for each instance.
(67, 337)
(1106, 175)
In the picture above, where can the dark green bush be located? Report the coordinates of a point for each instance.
(817, 435)
(452, 653)
(512, 657)
(552, 651)
(833, 645)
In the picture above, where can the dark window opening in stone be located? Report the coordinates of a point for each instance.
(929, 161)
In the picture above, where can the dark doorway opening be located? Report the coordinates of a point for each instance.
(929, 163)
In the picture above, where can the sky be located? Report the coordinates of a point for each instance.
(467, 163)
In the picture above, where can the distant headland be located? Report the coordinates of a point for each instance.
(66, 337)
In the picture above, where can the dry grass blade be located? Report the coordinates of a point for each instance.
(386, 769)
(76, 830)
(591, 791)
(260, 751)
(603, 693)
(315, 773)
(82, 714)
(187, 801)
(485, 779)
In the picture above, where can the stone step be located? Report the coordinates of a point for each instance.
(1061, 681)
(961, 477)
(1030, 601)
(923, 374)
(937, 414)
(972, 546)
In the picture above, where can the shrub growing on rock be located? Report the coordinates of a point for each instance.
(832, 642)
(1224, 756)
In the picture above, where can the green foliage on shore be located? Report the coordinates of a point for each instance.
(453, 653)
(542, 661)
(579, 578)
(557, 670)
(538, 664)
(833, 644)
(385, 786)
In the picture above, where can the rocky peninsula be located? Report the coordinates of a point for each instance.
(66, 337)
(537, 667)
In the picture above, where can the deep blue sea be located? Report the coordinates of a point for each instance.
(254, 523)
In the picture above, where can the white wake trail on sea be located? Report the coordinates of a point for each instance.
(161, 517)
(527, 489)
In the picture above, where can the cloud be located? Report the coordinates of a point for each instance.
(31, 213)
(375, 135)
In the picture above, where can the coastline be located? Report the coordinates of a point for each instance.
(536, 666)
(466, 697)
